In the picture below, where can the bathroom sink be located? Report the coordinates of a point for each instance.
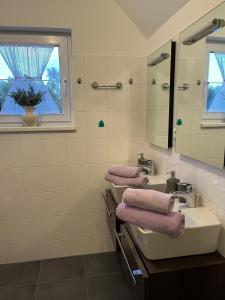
(156, 182)
(201, 236)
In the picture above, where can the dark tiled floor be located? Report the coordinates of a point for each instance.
(73, 288)
(18, 292)
(101, 264)
(110, 287)
(19, 274)
(63, 268)
(89, 277)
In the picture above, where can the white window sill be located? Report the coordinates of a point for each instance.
(37, 128)
(212, 124)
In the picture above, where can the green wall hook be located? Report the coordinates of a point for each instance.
(101, 124)
(179, 122)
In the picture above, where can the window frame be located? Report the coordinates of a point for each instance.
(211, 118)
(66, 119)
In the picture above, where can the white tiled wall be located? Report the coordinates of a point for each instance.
(50, 183)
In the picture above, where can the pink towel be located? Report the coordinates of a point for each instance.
(122, 181)
(149, 199)
(171, 224)
(125, 171)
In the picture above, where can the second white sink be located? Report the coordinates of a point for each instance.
(201, 236)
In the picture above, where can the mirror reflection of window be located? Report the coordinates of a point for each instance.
(216, 83)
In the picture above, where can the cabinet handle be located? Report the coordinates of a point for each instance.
(107, 207)
(183, 87)
(124, 255)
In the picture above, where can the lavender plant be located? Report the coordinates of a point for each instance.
(27, 97)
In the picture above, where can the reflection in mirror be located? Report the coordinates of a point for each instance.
(215, 102)
(201, 90)
(213, 26)
(161, 67)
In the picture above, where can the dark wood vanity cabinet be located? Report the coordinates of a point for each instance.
(110, 207)
(133, 269)
(182, 278)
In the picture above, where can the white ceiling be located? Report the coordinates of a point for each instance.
(149, 15)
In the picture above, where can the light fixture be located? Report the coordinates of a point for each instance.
(208, 29)
(159, 59)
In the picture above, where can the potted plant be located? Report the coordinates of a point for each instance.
(28, 99)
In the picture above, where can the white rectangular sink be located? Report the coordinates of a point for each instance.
(201, 236)
(156, 182)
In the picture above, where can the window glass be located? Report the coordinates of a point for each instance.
(216, 83)
(22, 66)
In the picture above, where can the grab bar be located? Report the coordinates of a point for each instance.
(183, 87)
(124, 255)
(96, 86)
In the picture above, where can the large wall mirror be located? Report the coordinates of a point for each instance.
(160, 94)
(200, 115)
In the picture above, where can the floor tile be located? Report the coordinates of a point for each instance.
(62, 268)
(18, 292)
(109, 287)
(19, 273)
(101, 264)
(69, 289)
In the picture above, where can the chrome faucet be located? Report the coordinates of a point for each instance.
(186, 194)
(147, 166)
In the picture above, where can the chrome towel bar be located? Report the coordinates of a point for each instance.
(96, 86)
(183, 87)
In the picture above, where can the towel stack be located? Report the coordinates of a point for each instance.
(125, 176)
(151, 210)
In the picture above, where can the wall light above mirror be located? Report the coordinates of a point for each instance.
(159, 59)
(213, 26)
(160, 94)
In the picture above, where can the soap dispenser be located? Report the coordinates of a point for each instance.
(171, 183)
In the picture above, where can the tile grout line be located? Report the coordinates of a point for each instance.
(103, 275)
(41, 265)
(17, 285)
(74, 277)
(85, 278)
(60, 280)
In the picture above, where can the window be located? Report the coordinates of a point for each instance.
(40, 61)
(216, 83)
(214, 109)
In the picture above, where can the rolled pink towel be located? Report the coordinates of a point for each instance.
(149, 199)
(171, 224)
(125, 171)
(135, 182)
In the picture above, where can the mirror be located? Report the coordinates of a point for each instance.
(159, 119)
(200, 116)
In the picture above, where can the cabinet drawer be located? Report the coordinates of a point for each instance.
(110, 207)
(133, 269)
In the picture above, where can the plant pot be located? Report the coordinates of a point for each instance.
(30, 119)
